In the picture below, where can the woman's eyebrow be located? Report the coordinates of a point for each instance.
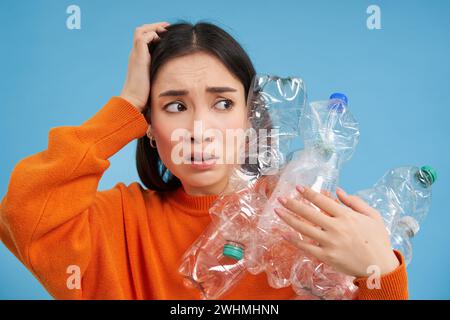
(185, 92)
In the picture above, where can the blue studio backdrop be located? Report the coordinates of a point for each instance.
(390, 57)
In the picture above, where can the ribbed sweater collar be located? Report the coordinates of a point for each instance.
(193, 204)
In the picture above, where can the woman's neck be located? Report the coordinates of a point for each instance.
(205, 190)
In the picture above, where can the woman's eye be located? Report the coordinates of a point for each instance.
(224, 104)
(175, 107)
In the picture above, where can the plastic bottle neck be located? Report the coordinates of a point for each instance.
(424, 179)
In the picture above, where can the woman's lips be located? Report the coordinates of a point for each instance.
(203, 164)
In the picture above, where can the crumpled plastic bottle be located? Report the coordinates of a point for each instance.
(330, 134)
(320, 280)
(403, 198)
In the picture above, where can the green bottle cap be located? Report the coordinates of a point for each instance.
(232, 251)
(430, 172)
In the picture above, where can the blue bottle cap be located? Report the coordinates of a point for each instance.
(340, 96)
(338, 102)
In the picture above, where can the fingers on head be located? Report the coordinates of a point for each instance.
(151, 30)
(146, 38)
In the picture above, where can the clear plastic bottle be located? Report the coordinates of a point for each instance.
(213, 264)
(330, 135)
(403, 198)
(321, 280)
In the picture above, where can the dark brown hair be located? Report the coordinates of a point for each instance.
(181, 39)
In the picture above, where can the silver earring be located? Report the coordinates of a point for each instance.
(150, 137)
(152, 141)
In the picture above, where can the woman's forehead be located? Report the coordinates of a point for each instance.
(195, 70)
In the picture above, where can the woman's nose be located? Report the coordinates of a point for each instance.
(200, 130)
(201, 137)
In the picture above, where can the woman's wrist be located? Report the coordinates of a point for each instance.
(138, 105)
(391, 263)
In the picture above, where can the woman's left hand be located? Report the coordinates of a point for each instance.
(351, 236)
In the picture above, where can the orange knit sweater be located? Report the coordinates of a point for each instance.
(126, 241)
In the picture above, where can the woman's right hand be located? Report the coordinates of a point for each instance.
(136, 89)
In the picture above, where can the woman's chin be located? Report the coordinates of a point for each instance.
(209, 180)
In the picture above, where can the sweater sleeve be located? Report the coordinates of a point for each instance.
(52, 216)
(392, 286)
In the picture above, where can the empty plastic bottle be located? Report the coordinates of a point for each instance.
(212, 263)
(403, 198)
(330, 135)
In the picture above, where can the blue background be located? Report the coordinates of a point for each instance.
(397, 79)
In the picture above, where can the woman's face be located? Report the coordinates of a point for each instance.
(195, 104)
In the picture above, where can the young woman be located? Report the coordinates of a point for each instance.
(126, 242)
